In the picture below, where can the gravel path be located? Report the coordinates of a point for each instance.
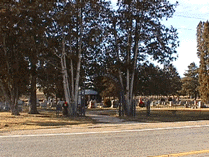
(95, 115)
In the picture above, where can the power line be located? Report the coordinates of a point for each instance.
(187, 29)
(191, 17)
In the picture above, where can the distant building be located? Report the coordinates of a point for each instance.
(90, 94)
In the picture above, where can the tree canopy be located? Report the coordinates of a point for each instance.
(69, 40)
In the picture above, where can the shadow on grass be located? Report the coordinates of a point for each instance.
(54, 123)
(63, 121)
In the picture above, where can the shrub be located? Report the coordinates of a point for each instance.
(107, 103)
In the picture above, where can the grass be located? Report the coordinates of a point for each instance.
(160, 114)
(169, 115)
(46, 119)
(105, 111)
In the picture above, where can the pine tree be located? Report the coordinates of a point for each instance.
(172, 82)
(203, 54)
(190, 81)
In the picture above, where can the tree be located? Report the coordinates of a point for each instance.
(172, 81)
(152, 80)
(136, 34)
(190, 81)
(14, 72)
(33, 26)
(77, 33)
(106, 87)
(50, 77)
(28, 19)
(203, 53)
(81, 33)
(149, 80)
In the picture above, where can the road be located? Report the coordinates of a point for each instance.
(140, 142)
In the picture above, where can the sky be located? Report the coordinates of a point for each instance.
(185, 19)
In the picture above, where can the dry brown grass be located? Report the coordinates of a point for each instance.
(46, 119)
(161, 114)
(169, 115)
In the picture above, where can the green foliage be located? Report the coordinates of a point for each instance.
(190, 81)
(106, 87)
(172, 80)
(152, 80)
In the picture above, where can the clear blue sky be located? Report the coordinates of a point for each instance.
(186, 18)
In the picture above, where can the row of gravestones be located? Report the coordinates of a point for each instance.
(174, 102)
(155, 102)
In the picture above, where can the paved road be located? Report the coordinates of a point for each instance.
(140, 142)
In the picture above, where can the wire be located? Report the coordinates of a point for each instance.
(191, 17)
(187, 29)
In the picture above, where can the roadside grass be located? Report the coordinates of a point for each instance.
(160, 114)
(169, 115)
(46, 119)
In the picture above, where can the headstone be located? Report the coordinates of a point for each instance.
(170, 103)
(152, 103)
(112, 103)
(89, 104)
(44, 103)
(199, 104)
(115, 104)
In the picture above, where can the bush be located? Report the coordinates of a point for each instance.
(107, 103)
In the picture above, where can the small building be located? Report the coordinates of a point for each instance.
(90, 94)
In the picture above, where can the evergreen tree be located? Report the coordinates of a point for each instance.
(14, 72)
(190, 81)
(152, 80)
(173, 80)
(28, 19)
(203, 54)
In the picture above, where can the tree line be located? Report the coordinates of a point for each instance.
(56, 44)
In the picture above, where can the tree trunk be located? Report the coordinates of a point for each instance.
(77, 86)
(128, 106)
(14, 106)
(119, 70)
(72, 80)
(12, 94)
(72, 72)
(65, 76)
(32, 106)
(10, 99)
(134, 65)
(78, 65)
(128, 96)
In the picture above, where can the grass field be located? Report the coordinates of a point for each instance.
(48, 118)
(169, 115)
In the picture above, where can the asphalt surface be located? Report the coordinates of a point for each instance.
(141, 142)
(112, 137)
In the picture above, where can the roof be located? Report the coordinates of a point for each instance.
(90, 92)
